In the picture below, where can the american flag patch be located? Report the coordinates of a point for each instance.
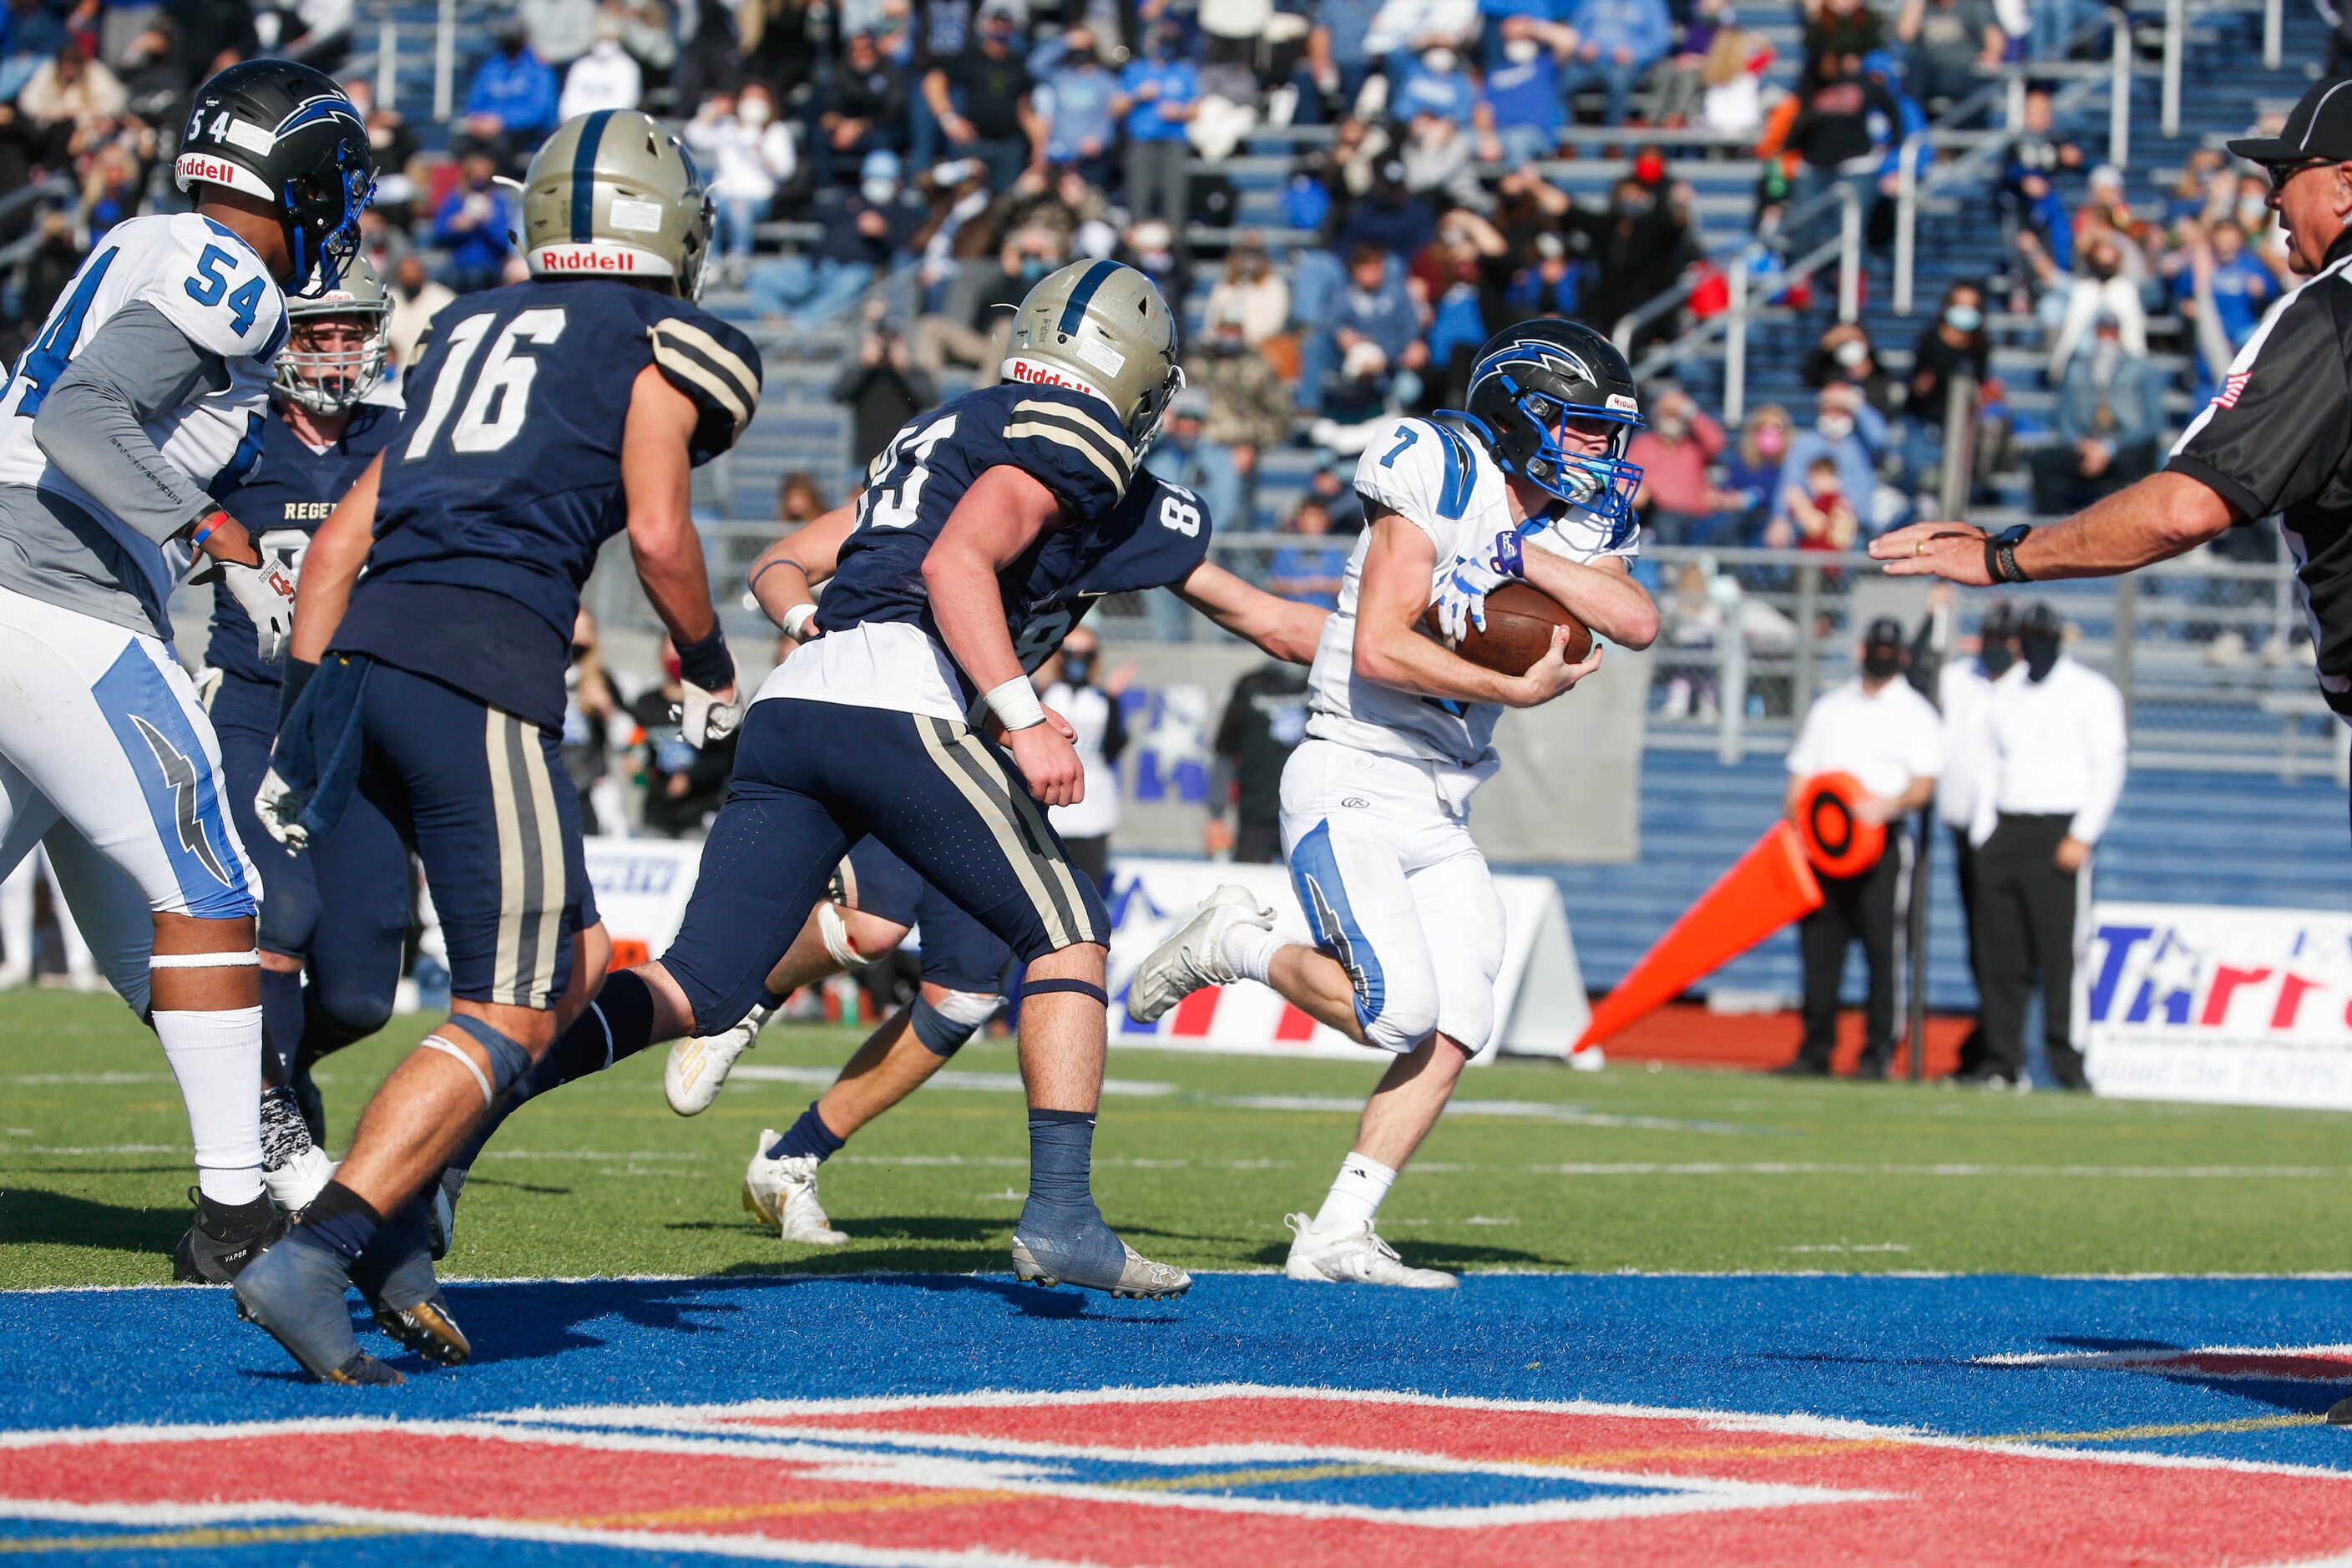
(2231, 386)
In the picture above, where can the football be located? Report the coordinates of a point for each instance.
(1520, 619)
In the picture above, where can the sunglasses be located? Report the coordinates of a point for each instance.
(2280, 174)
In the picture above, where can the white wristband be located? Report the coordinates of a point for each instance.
(1015, 704)
(796, 619)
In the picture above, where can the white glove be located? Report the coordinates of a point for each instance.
(707, 716)
(1461, 602)
(278, 806)
(267, 594)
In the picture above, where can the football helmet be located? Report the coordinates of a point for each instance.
(614, 194)
(1100, 326)
(1530, 381)
(330, 381)
(287, 133)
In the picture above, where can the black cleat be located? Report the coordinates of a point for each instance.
(395, 1275)
(1870, 1069)
(224, 1238)
(297, 1292)
(1802, 1066)
(2340, 1413)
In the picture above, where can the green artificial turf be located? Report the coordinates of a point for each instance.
(1629, 1168)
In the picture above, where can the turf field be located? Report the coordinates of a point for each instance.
(1709, 1318)
(1198, 1157)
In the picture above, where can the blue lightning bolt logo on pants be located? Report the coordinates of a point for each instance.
(175, 775)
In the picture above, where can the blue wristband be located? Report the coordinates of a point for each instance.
(707, 664)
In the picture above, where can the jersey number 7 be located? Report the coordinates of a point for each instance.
(489, 420)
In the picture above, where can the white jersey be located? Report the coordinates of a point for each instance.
(1446, 485)
(209, 284)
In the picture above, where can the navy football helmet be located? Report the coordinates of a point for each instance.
(285, 132)
(1529, 382)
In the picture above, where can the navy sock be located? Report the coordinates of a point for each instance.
(281, 1025)
(809, 1135)
(340, 1220)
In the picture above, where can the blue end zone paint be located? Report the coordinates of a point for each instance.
(1890, 1351)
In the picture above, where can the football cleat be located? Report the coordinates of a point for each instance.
(1139, 1278)
(783, 1192)
(697, 1068)
(1195, 955)
(224, 1239)
(396, 1276)
(296, 1291)
(1355, 1256)
(292, 1167)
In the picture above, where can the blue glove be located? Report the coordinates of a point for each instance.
(1461, 602)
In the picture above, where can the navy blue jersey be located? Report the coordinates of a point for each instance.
(1065, 439)
(291, 491)
(505, 478)
(1155, 538)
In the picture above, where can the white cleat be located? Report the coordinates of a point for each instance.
(1354, 1257)
(1195, 955)
(783, 1192)
(697, 1069)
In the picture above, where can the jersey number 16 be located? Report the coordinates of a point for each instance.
(489, 420)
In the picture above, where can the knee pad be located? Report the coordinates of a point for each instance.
(509, 1059)
(836, 932)
(944, 1029)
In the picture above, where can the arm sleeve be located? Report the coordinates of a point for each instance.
(716, 366)
(90, 426)
(2271, 437)
(2103, 732)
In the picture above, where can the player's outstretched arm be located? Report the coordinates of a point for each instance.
(1004, 513)
(1282, 628)
(783, 578)
(657, 482)
(332, 566)
(1399, 567)
(1603, 595)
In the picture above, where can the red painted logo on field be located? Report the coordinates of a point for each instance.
(1209, 1477)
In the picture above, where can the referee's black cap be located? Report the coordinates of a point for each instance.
(2318, 127)
(1885, 632)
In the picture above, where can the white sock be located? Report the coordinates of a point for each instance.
(1250, 950)
(1355, 1197)
(216, 1057)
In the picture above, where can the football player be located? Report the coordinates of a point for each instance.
(329, 415)
(544, 418)
(1160, 539)
(140, 406)
(968, 516)
(1530, 483)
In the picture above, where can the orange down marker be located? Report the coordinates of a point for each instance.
(1766, 888)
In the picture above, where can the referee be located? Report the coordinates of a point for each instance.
(2278, 438)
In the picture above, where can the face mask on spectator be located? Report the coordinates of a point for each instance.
(753, 112)
(1521, 51)
(1851, 353)
(1963, 318)
(1996, 657)
(1673, 427)
(1076, 667)
(1834, 426)
(1880, 662)
(1439, 61)
(879, 192)
(2041, 651)
(1771, 440)
(1033, 267)
(1649, 168)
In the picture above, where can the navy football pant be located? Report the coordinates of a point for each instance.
(353, 940)
(482, 798)
(811, 779)
(959, 953)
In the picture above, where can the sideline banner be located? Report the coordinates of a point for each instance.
(2240, 1006)
(642, 885)
(1539, 992)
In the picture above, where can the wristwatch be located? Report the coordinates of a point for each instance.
(2001, 553)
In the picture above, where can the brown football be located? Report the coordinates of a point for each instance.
(1520, 620)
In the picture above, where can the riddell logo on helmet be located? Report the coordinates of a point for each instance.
(1039, 374)
(582, 258)
(197, 166)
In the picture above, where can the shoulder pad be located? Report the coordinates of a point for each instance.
(209, 283)
(1423, 471)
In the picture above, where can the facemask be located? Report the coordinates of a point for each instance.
(880, 193)
(1996, 658)
(1878, 663)
(1649, 168)
(1033, 267)
(1834, 426)
(1851, 353)
(1076, 667)
(1771, 441)
(1439, 61)
(1964, 318)
(753, 112)
(1521, 51)
(1672, 428)
(2040, 652)
(1078, 61)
